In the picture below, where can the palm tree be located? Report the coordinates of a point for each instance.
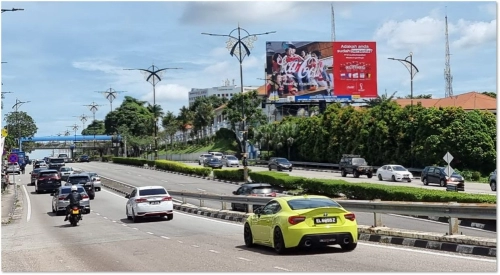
(185, 118)
(170, 124)
(380, 100)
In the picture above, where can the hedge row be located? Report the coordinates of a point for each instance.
(166, 165)
(230, 174)
(366, 191)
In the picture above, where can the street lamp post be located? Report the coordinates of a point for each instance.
(74, 127)
(16, 107)
(413, 70)
(83, 118)
(154, 75)
(234, 45)
(111, 95)
(13, 9)
(93, 108)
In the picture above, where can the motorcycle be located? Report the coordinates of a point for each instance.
(75, 215)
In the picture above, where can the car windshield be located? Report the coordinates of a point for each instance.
(65, 169)
(35, 171)
(68, 190)
(57, 161)
(84, 156)
(78, 179)
(298, 204)
(152, 192)
(358, 161)
(262, 190)
(48, 174)
(281, 160)
(63, 155)
(93, 174)
(214, 160)
(455, 174)
(398, 168)
(231, 158)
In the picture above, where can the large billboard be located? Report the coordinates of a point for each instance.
(303, 71)
(355, 69)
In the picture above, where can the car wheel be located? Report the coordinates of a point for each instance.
(53, 210)
(355, 174)
(493, 186)
(247, 235)
(442, 183)
(426, 182)
(379, 177)
(393, 178)
(343, 173)
(290, 170)
(278, 242)
(369, 176)
(135, 219)
(126, 213)
(170, 217)
(349, 246)
(233, 208)
(270, 168)
(409, 180)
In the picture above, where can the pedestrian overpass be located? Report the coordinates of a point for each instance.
(72, 142)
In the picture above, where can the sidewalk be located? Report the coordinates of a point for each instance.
(8, 200)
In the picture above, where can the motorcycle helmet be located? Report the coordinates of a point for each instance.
(74, 188)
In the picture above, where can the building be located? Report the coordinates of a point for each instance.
(226, 90)
(468, 101)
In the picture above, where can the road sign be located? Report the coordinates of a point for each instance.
(13, 158)
(448, 157)
(448, 170)
(4, 132)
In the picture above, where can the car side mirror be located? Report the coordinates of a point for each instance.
(51, 194)
(234, 193)
(127, 196)
(30, 172)
(94, 179)
(257, 211)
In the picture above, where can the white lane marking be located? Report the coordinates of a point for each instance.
(244, 259)
(180, 241)
(114, 221)
(166, 238)
(28, 217)
(150, 233)
(438, 222)
(430, 253)
(124, 224)
(282, 268)
(139, 175)
(201, 190)
(213, 251)
(105, 218)
(164, 180)
(361, 243)
(135, 228)
(194, 245)
(97, 214)
(181, 184)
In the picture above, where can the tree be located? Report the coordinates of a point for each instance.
(253, 111)
(170, 125)
(94, 128)
(133, 114)
(185, 119)
(491, 94)
(381, 99)
(203, 117)
(19, 124)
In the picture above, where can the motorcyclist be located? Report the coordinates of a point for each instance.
(74, 200)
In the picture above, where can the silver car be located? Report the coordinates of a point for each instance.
(230, 161)
(66, 172)
(59, 202)
(13, 168)
(202, 158)
(96, 179)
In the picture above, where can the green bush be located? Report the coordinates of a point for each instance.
(366, 191)
(165, 165)
(230, 174)
(130, 161)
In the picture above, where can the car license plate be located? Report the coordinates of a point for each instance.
(76, 211)
(49, 181)
(326, 240)
(325, 220)
(154, 202)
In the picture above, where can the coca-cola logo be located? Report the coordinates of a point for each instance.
(307, 67)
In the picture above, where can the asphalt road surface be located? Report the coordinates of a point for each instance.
(105, 241)
(141, 177)
(470, 187)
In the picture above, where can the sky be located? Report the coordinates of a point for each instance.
(61, 54)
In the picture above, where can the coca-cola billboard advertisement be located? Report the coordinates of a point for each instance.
(355, 69)
(298, 69)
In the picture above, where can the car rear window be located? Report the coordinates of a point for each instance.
(48, 174)
(65, 169)
(152, 192)
(57, 161)
(262, 190)
(298, 204)
(68, 190)
(78, 179)
(93, 174)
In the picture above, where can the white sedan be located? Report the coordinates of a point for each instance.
(394, 172)
(149, 201)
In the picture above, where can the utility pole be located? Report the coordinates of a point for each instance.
(154, 75)
(111, 95)
(13, 9)
(74, 127)
(93, 108)
(18, 126)
(447, 68)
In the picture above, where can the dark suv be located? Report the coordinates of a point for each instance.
(47, 181)
(437, 175)
(34, 174)
(279, 164)
(84, 180)
(355, 165)
(56, 163)
(493, 180)
(252, 189)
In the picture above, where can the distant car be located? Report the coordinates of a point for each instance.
(437, 175)
(301, 221)
(394, 172)
(56, 163)
(216, 155)
(40, 164)
(65, 171)
(279, 164)
(355, 165)
(65, 157)
(493, 180)
(13, 168)
(230, 161)
(252, 189)
(47, 181)
(214, 163)
(34, 174)
(202, 158)
(83, 179)
(59, 203)
(96, 179)
(149, 201)
(84, 158)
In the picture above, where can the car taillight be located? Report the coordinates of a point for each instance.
(296, 219)
(168, 198)
(141, 200)
(42, 178)
(62, 198)
(85, 196)
(75, 207)
(350, 216)
(273, 194)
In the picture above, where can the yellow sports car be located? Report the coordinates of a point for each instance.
(301, 221)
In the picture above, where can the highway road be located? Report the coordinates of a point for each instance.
(139, 177)
(106, 242)
(470, 187)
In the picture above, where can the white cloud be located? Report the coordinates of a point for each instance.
(490, 8)
(168, 92)
(475, 34)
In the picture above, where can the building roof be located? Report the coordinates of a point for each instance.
(468, 101)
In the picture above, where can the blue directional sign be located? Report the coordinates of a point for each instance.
(13, 158)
